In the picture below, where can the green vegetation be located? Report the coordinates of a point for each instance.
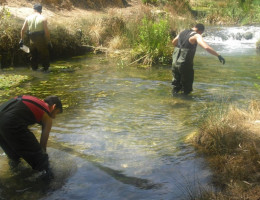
(228, 12)
(153, 43)
(8, 81)
(64, 67)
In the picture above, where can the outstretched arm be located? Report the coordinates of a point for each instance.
(208, 48)
(46, 128)
(205, 46)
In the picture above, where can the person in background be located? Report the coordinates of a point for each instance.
(36, 26)
(17, 140)
(182, 65)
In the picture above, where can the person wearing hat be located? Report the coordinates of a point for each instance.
(17, 140)
(182, 60)
(36, 27)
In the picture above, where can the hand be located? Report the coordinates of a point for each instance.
(221, 59)
(21, 43)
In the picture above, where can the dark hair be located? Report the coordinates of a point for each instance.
(38, 7)
(200, 27)
(51, 100)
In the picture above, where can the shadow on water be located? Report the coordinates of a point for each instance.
(116, 174)
(22, 182)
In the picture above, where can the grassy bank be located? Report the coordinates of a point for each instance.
(238, 12)
(65, 43)
(230, 140)
(145, 32)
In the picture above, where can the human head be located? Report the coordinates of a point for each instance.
(55, 103)
(38, 7)
(200, 28)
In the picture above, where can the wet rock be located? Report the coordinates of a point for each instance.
(223, 36)
(239, 36)
(248, 35)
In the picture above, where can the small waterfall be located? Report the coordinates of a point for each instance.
(233, 40)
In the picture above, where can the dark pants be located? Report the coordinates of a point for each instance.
(39, 52)
(183, 77)
(17, 140)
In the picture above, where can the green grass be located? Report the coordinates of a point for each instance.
(153, 41)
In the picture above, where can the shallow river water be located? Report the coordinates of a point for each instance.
(122, 133)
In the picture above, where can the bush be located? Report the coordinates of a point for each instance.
(152, 45)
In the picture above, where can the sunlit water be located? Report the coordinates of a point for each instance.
(122, 133)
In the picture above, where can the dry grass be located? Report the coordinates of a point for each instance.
(231, 143)
(117, 42)
(86, 4)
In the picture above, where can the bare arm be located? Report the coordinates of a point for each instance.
(24, 29)
(175, 41)
(46, 128)
(46, 30)
(204, 45)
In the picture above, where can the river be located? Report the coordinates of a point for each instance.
(122, 133)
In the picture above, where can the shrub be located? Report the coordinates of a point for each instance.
(152, 45)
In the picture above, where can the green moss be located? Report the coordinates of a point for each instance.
(64, 67)
(9, 81)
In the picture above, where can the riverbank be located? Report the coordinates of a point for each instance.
(78, 30)
(122, 28)
(229, 138)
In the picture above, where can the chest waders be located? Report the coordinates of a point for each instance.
(16, 139)
(182, 63)
(38, 44)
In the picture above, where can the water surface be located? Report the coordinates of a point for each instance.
(122, 133)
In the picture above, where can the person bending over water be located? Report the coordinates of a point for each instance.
(17, 140)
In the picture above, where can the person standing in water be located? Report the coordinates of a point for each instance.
(39, 35)
(182, 65)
